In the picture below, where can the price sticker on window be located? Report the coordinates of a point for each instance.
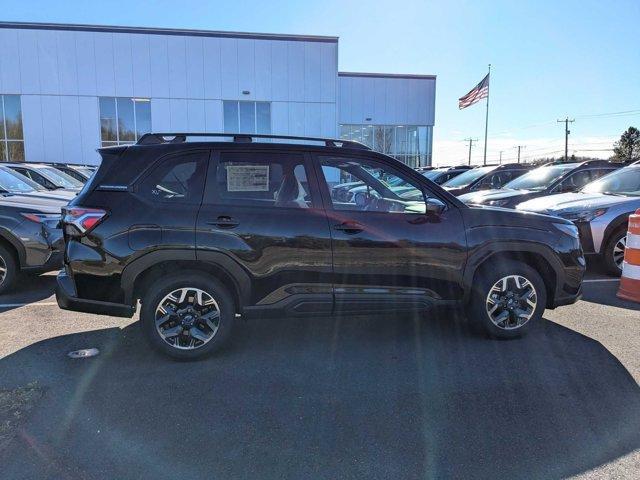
(247, 178)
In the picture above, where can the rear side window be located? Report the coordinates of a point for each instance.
(262, 180)
(177, 179)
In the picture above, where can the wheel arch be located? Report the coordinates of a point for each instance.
(533, 256)
(137, 277)
(616, 224)
(12, 244)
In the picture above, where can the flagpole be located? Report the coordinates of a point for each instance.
(486, 119)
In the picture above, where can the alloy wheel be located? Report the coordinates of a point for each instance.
(3, 270)
(187, 318)
(511, 302)
(618, 252)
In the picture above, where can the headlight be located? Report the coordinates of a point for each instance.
(569, 229)
(583, 215)
(498, 203)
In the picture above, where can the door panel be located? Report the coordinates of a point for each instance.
(262, 209)
(387, 252)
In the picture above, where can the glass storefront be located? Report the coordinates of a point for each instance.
(410, 144)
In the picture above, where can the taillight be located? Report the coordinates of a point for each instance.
(48, 219)
(82, 219)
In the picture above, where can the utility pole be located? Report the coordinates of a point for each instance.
(519, 147)
(501, 156)
(566, 122)
(470, 140)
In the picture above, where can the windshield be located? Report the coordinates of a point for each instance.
(468, 177)
(625, 181)
(10, 182)
(59, 178)
(540, 178)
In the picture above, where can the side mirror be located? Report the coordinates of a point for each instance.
(435, 206)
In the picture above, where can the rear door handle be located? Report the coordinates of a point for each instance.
(224, 221)
(349, 227)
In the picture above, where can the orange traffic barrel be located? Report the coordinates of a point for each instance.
(630, 281)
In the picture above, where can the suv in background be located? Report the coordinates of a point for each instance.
(204, 231)
(47, 176)
(30, 236)
(542, 181)
(441, 175)
(485, 178)
(600, 211)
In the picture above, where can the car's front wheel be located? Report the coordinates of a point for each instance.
(507, 298)
(614, 251)
(187, 315)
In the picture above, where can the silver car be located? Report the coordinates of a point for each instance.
(600, 211)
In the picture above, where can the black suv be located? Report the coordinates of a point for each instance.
(203, 230)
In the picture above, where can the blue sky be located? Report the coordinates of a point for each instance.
(550, 59)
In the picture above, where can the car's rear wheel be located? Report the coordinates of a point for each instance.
(187, 316)
(507, 298)
(8, 269)
(614, 251)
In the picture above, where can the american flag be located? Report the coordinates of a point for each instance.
(476, 94)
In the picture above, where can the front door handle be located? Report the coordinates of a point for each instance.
(349, 228)
(224, 221)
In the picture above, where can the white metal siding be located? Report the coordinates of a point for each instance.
(386, 100)
(60, 75)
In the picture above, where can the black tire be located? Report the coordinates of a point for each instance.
(610, 264)
(9, 263)
(483, 283)
(163, 287)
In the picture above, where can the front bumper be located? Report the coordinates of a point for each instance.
(68, 299)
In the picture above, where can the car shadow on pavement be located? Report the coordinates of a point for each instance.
(605, 294)
(28, 289)
(358, 397)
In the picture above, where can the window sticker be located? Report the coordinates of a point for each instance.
(247, 178)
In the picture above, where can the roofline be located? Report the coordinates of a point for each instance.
(167, 31)
(385, 75)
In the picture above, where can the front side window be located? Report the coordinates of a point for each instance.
(370, 186)
(11, 137)
(625, 181)
(247, 117)
(178, 179)
(262, 180)
(123, 120)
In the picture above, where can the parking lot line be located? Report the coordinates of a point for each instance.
(594, 280)
(15, 305)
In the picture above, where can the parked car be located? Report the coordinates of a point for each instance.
(14, 182)
(443, 174)
(80, 172)
(30, 237)
(485, 178)
(600, 211)
(47, 176)
(542, 181)
(204, 231)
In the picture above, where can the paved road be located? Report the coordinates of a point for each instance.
(357, 397)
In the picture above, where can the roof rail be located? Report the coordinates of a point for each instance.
(160, 138)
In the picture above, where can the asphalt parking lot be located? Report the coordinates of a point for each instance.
(357, 397)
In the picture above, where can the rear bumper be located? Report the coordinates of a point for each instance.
(68, 299)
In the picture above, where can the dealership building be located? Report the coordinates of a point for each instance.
(66, 90)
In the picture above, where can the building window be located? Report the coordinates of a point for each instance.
(124, 120)
(410, 144)
(247, 117)
(11, 139)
